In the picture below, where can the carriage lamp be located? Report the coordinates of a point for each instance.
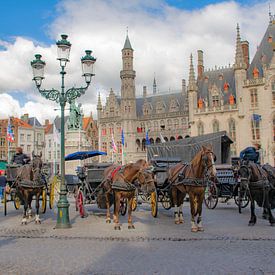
(63, 96)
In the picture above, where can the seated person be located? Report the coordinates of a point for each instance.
(250, 154)
(20, 158)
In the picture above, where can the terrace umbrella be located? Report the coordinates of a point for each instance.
(81, 155)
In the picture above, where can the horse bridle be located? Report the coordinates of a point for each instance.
(145, 182)
(205, 158)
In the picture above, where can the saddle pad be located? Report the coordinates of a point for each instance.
(114, 172)
(31, 184)
(123, 186)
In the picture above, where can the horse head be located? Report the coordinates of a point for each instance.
(206, 159)
(146, 179)
(36, 166)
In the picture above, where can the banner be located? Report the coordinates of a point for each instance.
(10, 135)
(114, 144)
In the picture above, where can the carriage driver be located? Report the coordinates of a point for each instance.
(20, 158)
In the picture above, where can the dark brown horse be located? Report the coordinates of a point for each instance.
(191, 179)
(119, 181)
(29, 183)
(260, 189)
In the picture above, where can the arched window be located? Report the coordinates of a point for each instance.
(200, 129)
(232, 129)
(215, 126)
(179, 137)
(138, 144)
(255, 128)
(166, 139)
(157, 140)
(152, 141)
(172, 138)
(143, 144)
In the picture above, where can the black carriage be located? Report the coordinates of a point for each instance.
(226, 184)
(12, 194)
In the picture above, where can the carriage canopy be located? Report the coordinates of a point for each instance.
(186, 149)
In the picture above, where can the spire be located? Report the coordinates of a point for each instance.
(154, 85)
(239, 60)
(99, 105)
(127, 44)
(192, 82)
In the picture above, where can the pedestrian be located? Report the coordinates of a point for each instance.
(20, 158)
(3, 183)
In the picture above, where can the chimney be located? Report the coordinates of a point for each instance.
(25, 118)
(144, 91)
(245, 48)
(183, 86)
(200, 64)
(47, 122)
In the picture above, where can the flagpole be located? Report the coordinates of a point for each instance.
(122, 158)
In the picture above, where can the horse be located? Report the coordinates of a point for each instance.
(121, 185)
(191, 178)
(106, 184)
(260, 189)
(29, 183)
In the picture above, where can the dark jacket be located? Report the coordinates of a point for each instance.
(3, 181)
(20, 159)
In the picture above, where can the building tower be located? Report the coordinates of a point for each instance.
(128, 100)
(154, 86)
(192, 91)
(240, 67)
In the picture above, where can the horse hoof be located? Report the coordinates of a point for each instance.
(177, 222)
(251, 223)
(117, 227)
(201, 229)
(131, 226)
(38, 222)
(108, 221)
(194, 229)
(181, 221)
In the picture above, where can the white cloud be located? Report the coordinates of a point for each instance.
(162, 36)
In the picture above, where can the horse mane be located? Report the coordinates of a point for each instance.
(258, 173)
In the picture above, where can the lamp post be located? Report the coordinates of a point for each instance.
(62, 97)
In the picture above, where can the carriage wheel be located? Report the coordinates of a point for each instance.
(80, 204)
(5, 198)
(154, 204)
(134, 203)
(16, 202)
(242, 199)
(123, 206)
(44, 200)
(166, 202)
(51, 195)
(211, 196)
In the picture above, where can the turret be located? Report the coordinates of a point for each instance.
(154, 86)
(99, 107)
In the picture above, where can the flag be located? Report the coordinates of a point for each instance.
(256, 117)
(161, 138)
(113, 144)
(10, 135)
(122, 137)
(147, 142)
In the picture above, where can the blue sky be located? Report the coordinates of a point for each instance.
(31, 18)
(100, 25)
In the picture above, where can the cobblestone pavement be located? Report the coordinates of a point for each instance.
(156, 246)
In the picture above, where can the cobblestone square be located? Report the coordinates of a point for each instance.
(156, 246)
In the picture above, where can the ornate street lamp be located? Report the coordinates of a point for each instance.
(62, 97)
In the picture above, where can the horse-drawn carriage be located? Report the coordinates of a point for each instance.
(21, 186)
(226, 184)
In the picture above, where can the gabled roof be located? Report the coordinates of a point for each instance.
(214, 78)
(33, 121)
(21, 123)
(264, 52)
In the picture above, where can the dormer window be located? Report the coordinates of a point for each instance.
(215, 100)
(160, 107)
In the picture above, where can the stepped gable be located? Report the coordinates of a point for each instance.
(220, 78)
(165, 98)
(264, 52)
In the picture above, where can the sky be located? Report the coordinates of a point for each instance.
(163, 34)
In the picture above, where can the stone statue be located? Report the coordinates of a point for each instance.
(75, 118)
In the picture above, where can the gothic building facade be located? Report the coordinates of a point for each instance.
(239, 99)
(159, 116)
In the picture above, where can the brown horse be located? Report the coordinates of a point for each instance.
(191, 179)
(29, 183)
(108, 179)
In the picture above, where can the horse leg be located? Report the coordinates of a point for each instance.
(29, 205)
(199, 212)
(193, 209)
(108, 214)
(253, 217)
(175, 202)
(181, 198)
(116, 210)
(24, 219)
(37, 219)
(130, 222)
(267, 208)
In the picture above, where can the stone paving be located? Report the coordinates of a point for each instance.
(156, 246)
